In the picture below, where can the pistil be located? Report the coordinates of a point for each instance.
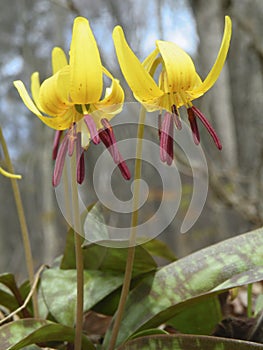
(208, 126)
(166, 139)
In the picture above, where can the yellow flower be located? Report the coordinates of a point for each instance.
(178, 83)
(74, 93)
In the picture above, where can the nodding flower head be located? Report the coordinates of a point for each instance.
(72, 94)
(178, 84)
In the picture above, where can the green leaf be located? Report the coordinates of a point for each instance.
(114, 259)
(165, 294)
(159, 249)
(18, 334)
(147, 332)
(7, 300)
(201, 317)
(100, 257)
(12, 302)
(188, 342)
(8, 280)
(59, 291)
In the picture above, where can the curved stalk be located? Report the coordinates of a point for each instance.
(79, 255)
(132, 238)
(22, 221)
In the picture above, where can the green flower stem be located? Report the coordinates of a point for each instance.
(132, 239)
(23, 224)
(79, 255)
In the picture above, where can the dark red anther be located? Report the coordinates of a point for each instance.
(194, 126)
(166, 139)
(80, 160)
(159, 124)
(208, 126)
(59, 164)
(58, 134)
(124, 169)
(108, 138)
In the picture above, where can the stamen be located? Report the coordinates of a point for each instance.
(94, 135)
(80, 160)
(177, 120)
(112, 143)
(106, 139)
(208, 126)
(56, 141)
(59, 164)
(170, 146)
(159, 124)
(194, 126)
(72, 139)
(166, 139)
(124, 169)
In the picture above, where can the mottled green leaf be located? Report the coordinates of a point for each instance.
(159, 249)
(12, 302)
(114, 259)
(198, 318)
(158, 298)
(8, 280)
(148, 332)
(59, 291)
(7, 300)
(18, 334)
(240, 279)
(94, 224)
(100, 257)
(188, 342)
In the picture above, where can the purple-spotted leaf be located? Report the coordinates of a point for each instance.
(18, 334)
(200, 317)
(169, 291)
(100, 257)
(59, 291)
(188, 342)
(159, 249)
(148, 332)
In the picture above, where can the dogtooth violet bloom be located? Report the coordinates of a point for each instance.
(178, 85)
(70, 101)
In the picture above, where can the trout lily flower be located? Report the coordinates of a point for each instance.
(178, 85)
(71, 102)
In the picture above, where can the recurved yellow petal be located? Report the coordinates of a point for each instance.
(35, 87)
(19, 85)
(139, 80)
(85, 64)
(149, 61)
(52, 96)
(59, 59)
(219, 63)
(179, 67)
(114, 95)
(7, 174)
(55, 123)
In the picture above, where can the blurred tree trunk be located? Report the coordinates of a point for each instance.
(235, 106)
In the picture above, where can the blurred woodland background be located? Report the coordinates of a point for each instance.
(29, 31)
